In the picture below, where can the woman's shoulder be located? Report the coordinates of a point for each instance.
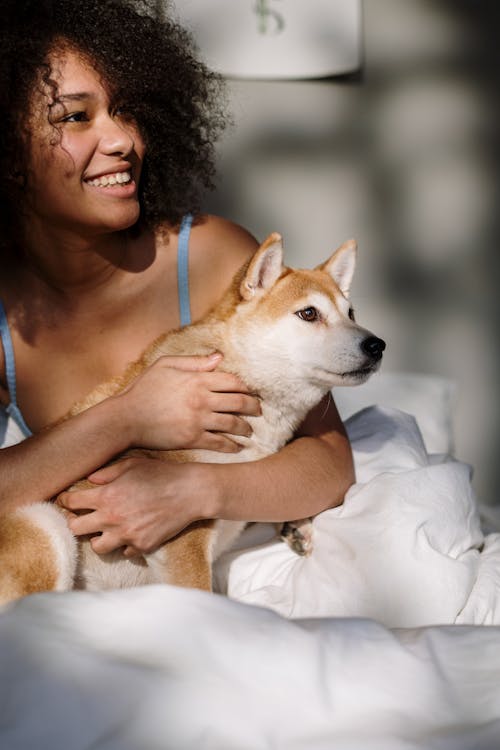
(228, 241)
(217, 250)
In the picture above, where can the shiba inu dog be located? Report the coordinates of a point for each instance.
(290, 335)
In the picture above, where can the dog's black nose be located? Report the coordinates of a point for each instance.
(373, 347)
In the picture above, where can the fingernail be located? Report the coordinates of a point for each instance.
(214, 356)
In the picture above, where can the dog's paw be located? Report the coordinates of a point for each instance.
(298, 536)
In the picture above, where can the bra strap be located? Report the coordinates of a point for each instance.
(183, 270)
(8, 350)
(10, 372)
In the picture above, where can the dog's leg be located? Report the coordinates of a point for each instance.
(186, 559)
(37, 552)
(298, 536)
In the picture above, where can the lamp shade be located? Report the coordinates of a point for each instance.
(275, 39)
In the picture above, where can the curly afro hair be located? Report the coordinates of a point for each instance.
(149, 66)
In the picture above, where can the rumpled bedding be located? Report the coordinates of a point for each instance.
(406, 548)
(374, 642)
(162, 668)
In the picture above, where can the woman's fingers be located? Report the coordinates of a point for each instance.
(193, 363)
(235, 403)
(74, 500)
(105, 543)
(224, 382)
(89, 523)
(217, 441)
(229, 423)
(109, 473)
(131, 552)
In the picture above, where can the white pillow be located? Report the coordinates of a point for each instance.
(428, 398)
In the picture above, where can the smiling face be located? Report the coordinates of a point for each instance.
(85, 154)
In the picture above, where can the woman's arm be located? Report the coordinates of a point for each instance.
(309, 475)
(192, 403)
(46, 463)
(139, 503)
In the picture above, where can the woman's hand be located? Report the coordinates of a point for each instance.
(137, 503)
(182, 402)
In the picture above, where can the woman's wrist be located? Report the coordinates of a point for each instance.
(118, 426)
(127, 412)
(209, 500)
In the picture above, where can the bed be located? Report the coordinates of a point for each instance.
(387, 637)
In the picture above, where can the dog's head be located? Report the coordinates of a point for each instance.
(303, 318)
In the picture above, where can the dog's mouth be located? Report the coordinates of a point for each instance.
(361, 373)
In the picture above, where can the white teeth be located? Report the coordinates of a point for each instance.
(119, 178)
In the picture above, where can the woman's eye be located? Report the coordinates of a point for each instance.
(124, 112)
(75, 117)
(309, 314)
(351, 314)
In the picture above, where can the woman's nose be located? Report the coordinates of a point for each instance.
(115, 139)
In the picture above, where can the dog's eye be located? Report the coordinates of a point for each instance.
(309, 314)
(351, 314)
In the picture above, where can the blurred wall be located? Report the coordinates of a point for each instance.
(404, 157)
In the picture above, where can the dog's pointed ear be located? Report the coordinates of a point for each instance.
(265, 267)
(341, 266)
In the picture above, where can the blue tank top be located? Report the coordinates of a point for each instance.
(13, 427)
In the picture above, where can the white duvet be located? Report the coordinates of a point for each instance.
(387, 649)
(406, 547)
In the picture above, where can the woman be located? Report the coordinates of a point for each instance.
(108, 132)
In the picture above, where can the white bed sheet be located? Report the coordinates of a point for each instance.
(164, 668)
(388, 648)
(404, 548)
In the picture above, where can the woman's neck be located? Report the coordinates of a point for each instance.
(66, 262)
(69, 266)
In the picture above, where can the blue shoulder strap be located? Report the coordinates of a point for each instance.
(10, 372)
(183, 270)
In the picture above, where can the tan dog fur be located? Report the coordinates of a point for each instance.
(291, 362)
